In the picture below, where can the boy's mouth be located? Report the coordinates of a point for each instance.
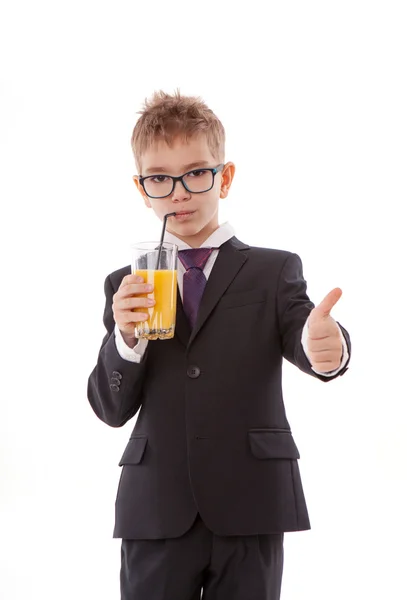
(184, 214)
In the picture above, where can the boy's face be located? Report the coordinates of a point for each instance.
(202, 219)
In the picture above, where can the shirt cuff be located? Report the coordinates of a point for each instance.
(345, 353)
(131, 354)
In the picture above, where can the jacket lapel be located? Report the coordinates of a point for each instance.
(227, 265)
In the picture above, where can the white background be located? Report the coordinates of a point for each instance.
(313, 98)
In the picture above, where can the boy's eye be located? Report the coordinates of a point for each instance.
(160, 178)
(196, 173)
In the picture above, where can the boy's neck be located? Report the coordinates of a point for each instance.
(195, 241)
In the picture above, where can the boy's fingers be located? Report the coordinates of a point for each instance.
(131, 279)
(127, 300)
(139, 288)
(131, 290)
(129, 303)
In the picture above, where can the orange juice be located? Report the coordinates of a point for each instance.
(161, 321)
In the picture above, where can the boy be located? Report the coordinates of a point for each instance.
(210, 479)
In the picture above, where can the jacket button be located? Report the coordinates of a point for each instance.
(115, 380)
(114, 387)
(193, 371)
(117, 374)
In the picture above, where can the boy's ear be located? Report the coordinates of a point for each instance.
(142, 192)
(227, 178)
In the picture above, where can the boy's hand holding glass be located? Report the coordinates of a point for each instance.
(144, 306)
(126, 301)
(156, 263)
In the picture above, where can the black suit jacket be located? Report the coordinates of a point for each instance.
(212, 434)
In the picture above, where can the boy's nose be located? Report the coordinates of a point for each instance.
(179, 192)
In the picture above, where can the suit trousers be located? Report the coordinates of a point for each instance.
(201, 564)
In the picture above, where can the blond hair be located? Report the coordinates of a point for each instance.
(166, 116)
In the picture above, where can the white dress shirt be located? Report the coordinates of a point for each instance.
(224, 233)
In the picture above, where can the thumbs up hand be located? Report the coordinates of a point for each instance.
(324, 340)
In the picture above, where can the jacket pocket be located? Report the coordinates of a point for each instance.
(134, 451)
(273, 443)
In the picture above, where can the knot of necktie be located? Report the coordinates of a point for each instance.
(195, 257)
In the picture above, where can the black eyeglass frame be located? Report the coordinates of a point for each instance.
(214, 171)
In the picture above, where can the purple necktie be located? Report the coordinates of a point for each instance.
(194, 282)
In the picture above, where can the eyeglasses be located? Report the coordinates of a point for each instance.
(197, 181)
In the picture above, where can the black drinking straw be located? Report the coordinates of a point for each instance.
(162, 237)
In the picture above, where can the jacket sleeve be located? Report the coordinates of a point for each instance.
(294, 307)
(115, 386)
